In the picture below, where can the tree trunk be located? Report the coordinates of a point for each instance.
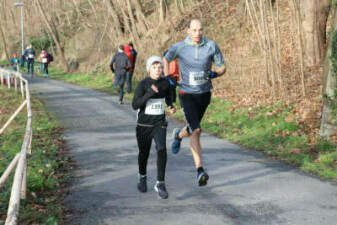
(55, 37)
(126, 22)
(115, 22)
(132, 19)
(329, 117)
(140, 15)
(315, 15)
(4, 43)
(162, 10)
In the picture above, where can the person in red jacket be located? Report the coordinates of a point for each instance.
(129, 72)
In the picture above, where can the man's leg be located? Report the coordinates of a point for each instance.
(196, 147)
(116, 79)
(129, 81)
(121, 88)
(47, 69)
(28, 66)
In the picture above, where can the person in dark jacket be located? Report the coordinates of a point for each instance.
(150, 98)
(30, 55)
(122, 64)
(131, 52)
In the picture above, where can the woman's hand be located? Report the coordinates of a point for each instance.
(154, 88)
(172, 109)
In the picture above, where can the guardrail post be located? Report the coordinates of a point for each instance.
(16, 84)
(8, 80)
(21, 86)
(24, 182)
(30, 144)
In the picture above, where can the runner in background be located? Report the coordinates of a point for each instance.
(122, 63)
(129, 72)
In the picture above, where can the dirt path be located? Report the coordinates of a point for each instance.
(245, 187)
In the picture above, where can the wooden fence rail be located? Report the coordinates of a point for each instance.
(10, 78)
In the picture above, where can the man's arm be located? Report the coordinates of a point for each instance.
(112, 64)
(220, 70)
(166, 67)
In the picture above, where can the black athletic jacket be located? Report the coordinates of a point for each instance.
(144, 93)
(121, 61)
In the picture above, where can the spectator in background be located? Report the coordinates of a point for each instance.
(45, 62)
(30, 56)
(122, 64)
(14, 62)
(22, 61)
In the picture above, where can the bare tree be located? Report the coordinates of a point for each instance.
(54, 34)
(315, 15)
(162, 10)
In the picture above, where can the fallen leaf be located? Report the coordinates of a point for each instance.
(296, 151)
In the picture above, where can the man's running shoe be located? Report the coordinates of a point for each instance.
(203, 178)
(141, 185)
(161, 189)
(120, 103)
(176, 141)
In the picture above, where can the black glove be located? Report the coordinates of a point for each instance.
(172, 80)
(210, 75)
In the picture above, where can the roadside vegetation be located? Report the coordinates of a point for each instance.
(272, 129)
(47, 166)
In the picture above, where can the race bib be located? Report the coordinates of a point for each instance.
(197, 78)
(44, 60)
(155, 106)
(30, 56)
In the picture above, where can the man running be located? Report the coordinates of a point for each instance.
(122, 63)
(196, 55)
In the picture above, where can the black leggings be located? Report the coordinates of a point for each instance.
(144, 139)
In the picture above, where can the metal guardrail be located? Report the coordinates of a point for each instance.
(12, 79)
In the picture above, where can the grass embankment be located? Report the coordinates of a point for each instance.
(271, 129)
(46, 172)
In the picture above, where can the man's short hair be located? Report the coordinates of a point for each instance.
(130, 44)
(191, 20)
(121, 47)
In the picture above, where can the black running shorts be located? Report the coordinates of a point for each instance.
(194, 107)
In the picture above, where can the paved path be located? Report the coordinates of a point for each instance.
(244, 188)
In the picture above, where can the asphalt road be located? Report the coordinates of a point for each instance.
(245, 187)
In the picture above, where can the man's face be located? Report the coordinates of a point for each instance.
(156, 70)
(195, 31)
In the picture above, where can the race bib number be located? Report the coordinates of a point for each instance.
(197, 78)
(30, 56)
(44, 60)
(155, 106)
